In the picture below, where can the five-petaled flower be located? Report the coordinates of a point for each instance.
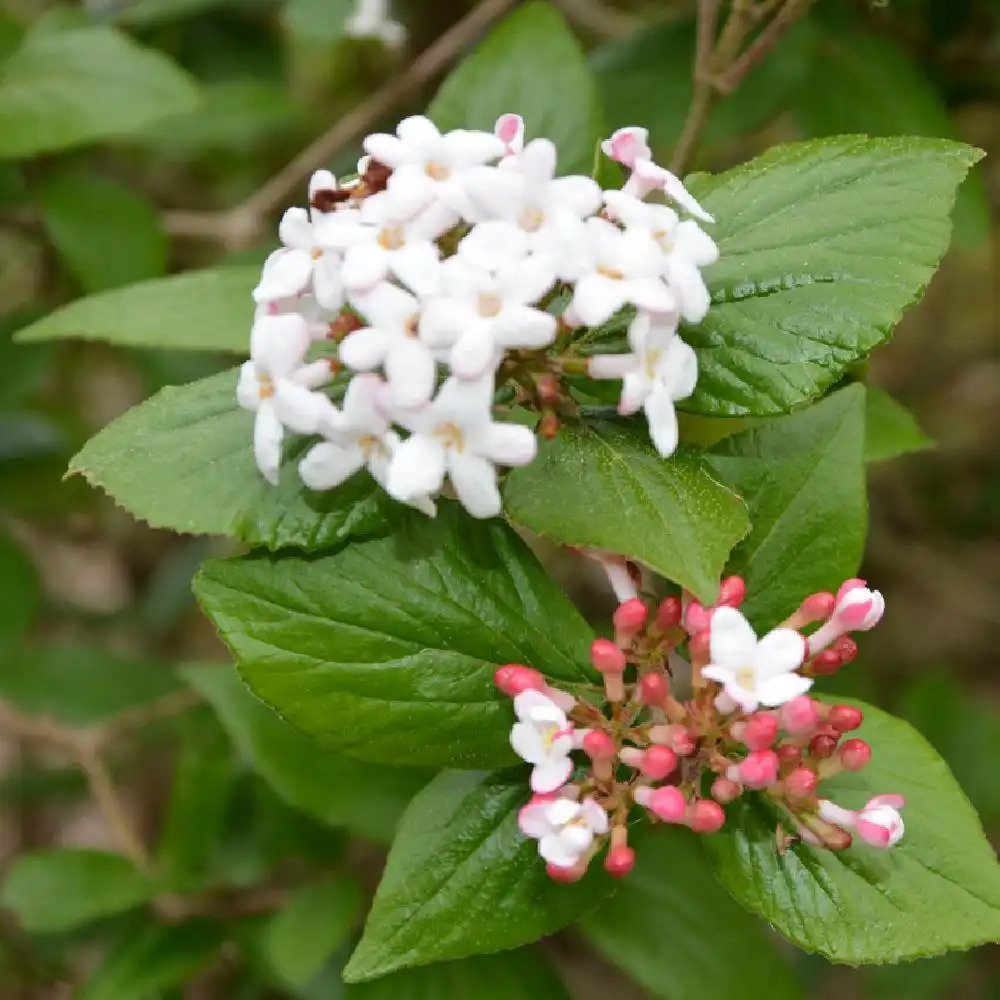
(565, 829)
(543, 736)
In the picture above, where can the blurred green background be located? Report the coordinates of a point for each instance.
(164, 108)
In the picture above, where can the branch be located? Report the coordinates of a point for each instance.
(239, 226)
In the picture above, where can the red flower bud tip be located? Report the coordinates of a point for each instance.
(678, 738)
(548, 390)
(696, 618)
(512, 679)
(668, 804)
(760, 731)
(725, 791)
(658, 762)
(706, 817)
(759, 769)
(668, 615)
(855, 755)
(630, 616)
(653, 689)
(789, 756)
(847, 586)
(823, 746)
(619, 861)
(732, 590)
(801, 783)
(698, 646)
(598, 745)
(817, 607)
(846, 648)
(607, 657)
(799, 715)
(854, 614)
(827, 663)
(548, 426)
(573, 874)
(845, 718)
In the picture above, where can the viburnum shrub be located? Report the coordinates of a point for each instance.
(470, 351)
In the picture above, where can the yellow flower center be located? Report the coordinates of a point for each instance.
(611, 272)
(316, 254)
(265, 386)
(371, 445)
(412, 325)
(652, 358)
(489, 304)
(450, 435)
(391, 238)
(439, 171)
(530, 219)
(746, 678)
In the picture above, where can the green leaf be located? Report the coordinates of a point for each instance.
(881, 91)
(803, 478)
(316, 22)
(602, 485)
(517, 975)
(80, 685)
(152, 958)
(823, 245)
(462, 880)
(367, 800)
(670, 921)
(203, 774)
(22, 593)
(310, 927)
(891, 429)
(106, 234)
(394, 662)
(938, 890)
(208, 310)
(533, 65)
(183, 460)
(67, 88)
(58, 890)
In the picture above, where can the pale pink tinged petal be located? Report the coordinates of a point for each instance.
(365, 265)
(419, 131)
(474, 354)
(662, 420)
(895, 801)
(562, 745)
(779, 652)
(417, 265)
(505, 444)
(532, 820)
(595, 815)
(248, 386)
(299, 409)
(682, 371)
(551, 775)
(552, 850)
(577, 838)
(872, 833)
(417, 468)
(830, 812)
(562, 811)
(775, 691)
(716, 673)
(508, 127)
(732, 642)
(538, 163)
(626, 145)
(475, 482)
(597, 298)
(295, 230)
(527, 743)
(636, 389)
(524, 327)
(692, 241)
(327, 465)
(389, 150)
(278, 344)
(611, 366)
(579, 195)
(411, 370)
(364, 349)
(673, 188)
(531, 704)
(627, 209)
(313, 375)
(650, 293)
(328, 285)
(468, 148)
(288, 273)
(267, 437)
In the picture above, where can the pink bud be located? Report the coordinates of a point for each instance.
(845, 718)
(653, 689)
(619, 861)
(760, 731)
(855, 755)
(855, 583)
(558, 874)
(846, 648)
(598, 745)
(699, 645)
(513, 679)
(801, 783)
(759, 769)
(678, 738)
(668, 804)
(724, 790)
(630, 616)
(732, 591)
(817, 607)
(799, 715)
(823, 746)
(858, 607)
(658, 762)
(668, 615)
(789, 756)
(696, 618)
(508, 126)
(706, 816)
(827, 663)
(891, 799)
(852, 613)
(607, 657)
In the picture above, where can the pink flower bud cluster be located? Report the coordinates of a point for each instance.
(743, 724)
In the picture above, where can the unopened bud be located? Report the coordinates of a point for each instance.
(823, 746)
(789, 756)
(620, 861)
(845, 718)
(548, 390)
(725, 791)
(513, 679)
(759, 769)
(817, 607)
(607, 657)
(846, 648)
(699, 645)
(732, 591)
(598, 745)
(801, 783)
(548, 426)
(696, 618)
(759, 731)
(668, 615)
(855, 755)
(827, 663)
(653, 689)
(559, 874)
(706, 817)
(799, 715)
(629, 620)
(658, 762)
(668, 804)
(678, 738)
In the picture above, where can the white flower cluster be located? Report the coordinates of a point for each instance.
(448, 256)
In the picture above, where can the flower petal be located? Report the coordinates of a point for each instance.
(267, 437)
(775, 691)
(417, 468)
(327, 465)
(732, 642)
(527, 743)
(551, 775)
(779, 652)
(411, 370)
(505, 444)
(475, 482)
(662, 420)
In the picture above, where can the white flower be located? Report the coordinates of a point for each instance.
(371, 19)
(426, 162)
(278, 346)
(686, 248)
(455, 436)
(754, 672)
(620, 267)
(306, 261)
(484, 312)
(392, 341)
(629, 147)
(878, 823)
(661, 370)
(546, 209)
(564, 829)
(543, 736)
